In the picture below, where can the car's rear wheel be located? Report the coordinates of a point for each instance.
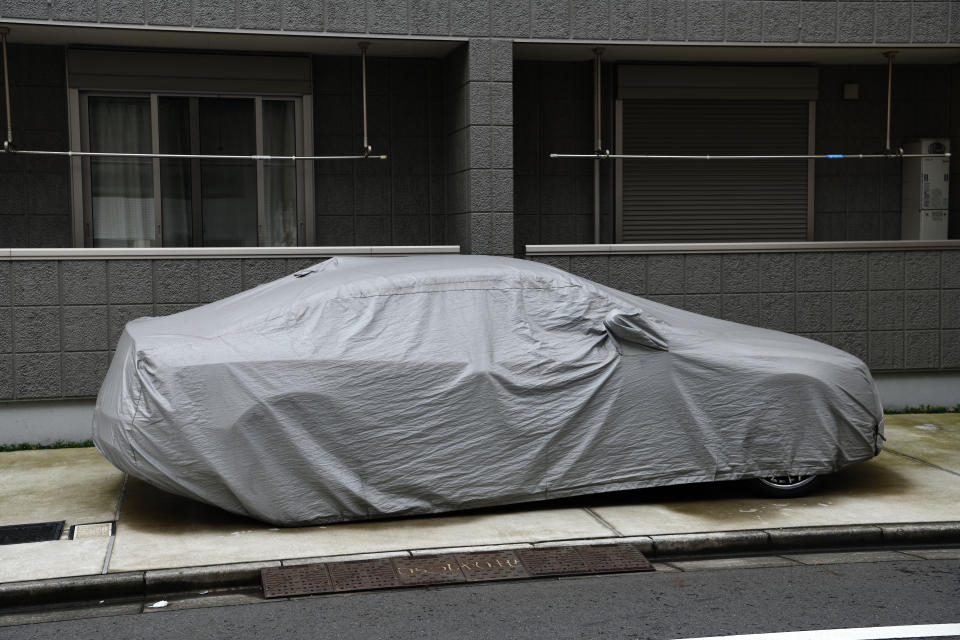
(785, 486)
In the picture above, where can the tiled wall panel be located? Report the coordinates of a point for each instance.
(61, 319)
(732, 21)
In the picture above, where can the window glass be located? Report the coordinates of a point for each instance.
(176, 183)
(121, 189)
(280, 176)
(228, 188)
(202, 202)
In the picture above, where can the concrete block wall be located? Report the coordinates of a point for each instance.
(400, 201)
(895, 310)
(478, 102)
(860, 200)
(60, 319)
(729, 21)
(34, 190)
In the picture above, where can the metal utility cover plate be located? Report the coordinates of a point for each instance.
(552, 561)
(282, 582)
(97, 530)
(611, 558)
(424, 570)
(485, 565)
(363, 574)
(33, 532)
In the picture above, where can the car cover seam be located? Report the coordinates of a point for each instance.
(408, 293)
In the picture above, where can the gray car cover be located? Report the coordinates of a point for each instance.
(371, 387)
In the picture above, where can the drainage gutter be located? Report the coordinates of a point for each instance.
(151, 584)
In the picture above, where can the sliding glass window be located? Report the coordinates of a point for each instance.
(194, 201)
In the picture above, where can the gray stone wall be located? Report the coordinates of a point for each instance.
(34, 190)
(730, 21)
(860, 199)
(400, 201)
(61, 319)
(895, 310)
(478, 102)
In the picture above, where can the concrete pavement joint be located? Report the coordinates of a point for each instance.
(116, 519)
(602, 521)
(929, 464)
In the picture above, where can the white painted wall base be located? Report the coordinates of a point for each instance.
(899, 390)
(46, 422)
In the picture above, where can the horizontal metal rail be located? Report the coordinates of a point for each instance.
(822, 156)
(181, 156)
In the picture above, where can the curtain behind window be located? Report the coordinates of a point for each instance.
(280, 176)
(121, 189)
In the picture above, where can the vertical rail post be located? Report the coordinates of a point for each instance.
(889, 55)
(8, 143)
(598, 139)
(363, 94)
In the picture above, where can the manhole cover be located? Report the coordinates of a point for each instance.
(433, 569)
(480, 566)
(363, 574)
(33, 532)
(279, 582)
(552, 561)
(610, 558)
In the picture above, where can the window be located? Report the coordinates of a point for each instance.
(196, 103)
(191, 202)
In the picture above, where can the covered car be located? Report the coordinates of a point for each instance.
(369, 387)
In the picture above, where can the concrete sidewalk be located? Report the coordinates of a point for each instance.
(916, 481)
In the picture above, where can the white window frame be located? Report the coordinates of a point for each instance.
(80, 167)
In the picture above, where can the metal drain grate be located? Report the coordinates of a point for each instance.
(433, 569)
(482, 566)
(384, 573)
(363, 574)
(282, 582)
(611, 558)
(552, 561)
(33, 532)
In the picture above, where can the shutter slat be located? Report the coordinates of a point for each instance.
(714, 200)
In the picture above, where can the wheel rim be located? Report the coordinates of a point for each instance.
(786, 482)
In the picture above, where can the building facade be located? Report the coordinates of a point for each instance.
(468, 100)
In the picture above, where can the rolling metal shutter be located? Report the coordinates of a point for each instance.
(714, 200)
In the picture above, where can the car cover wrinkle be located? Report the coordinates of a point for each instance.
(412, 385)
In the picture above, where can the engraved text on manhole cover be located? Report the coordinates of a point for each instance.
(363, 574)
(610, 558)
(552, 561)
(433, 569)
(280, 582)
(489, 565)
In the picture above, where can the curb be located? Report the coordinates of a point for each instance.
(157, 582)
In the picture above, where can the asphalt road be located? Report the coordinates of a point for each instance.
(645, 605)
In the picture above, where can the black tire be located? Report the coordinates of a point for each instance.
(785, 486)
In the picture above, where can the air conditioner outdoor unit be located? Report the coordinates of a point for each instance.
(925, 191)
